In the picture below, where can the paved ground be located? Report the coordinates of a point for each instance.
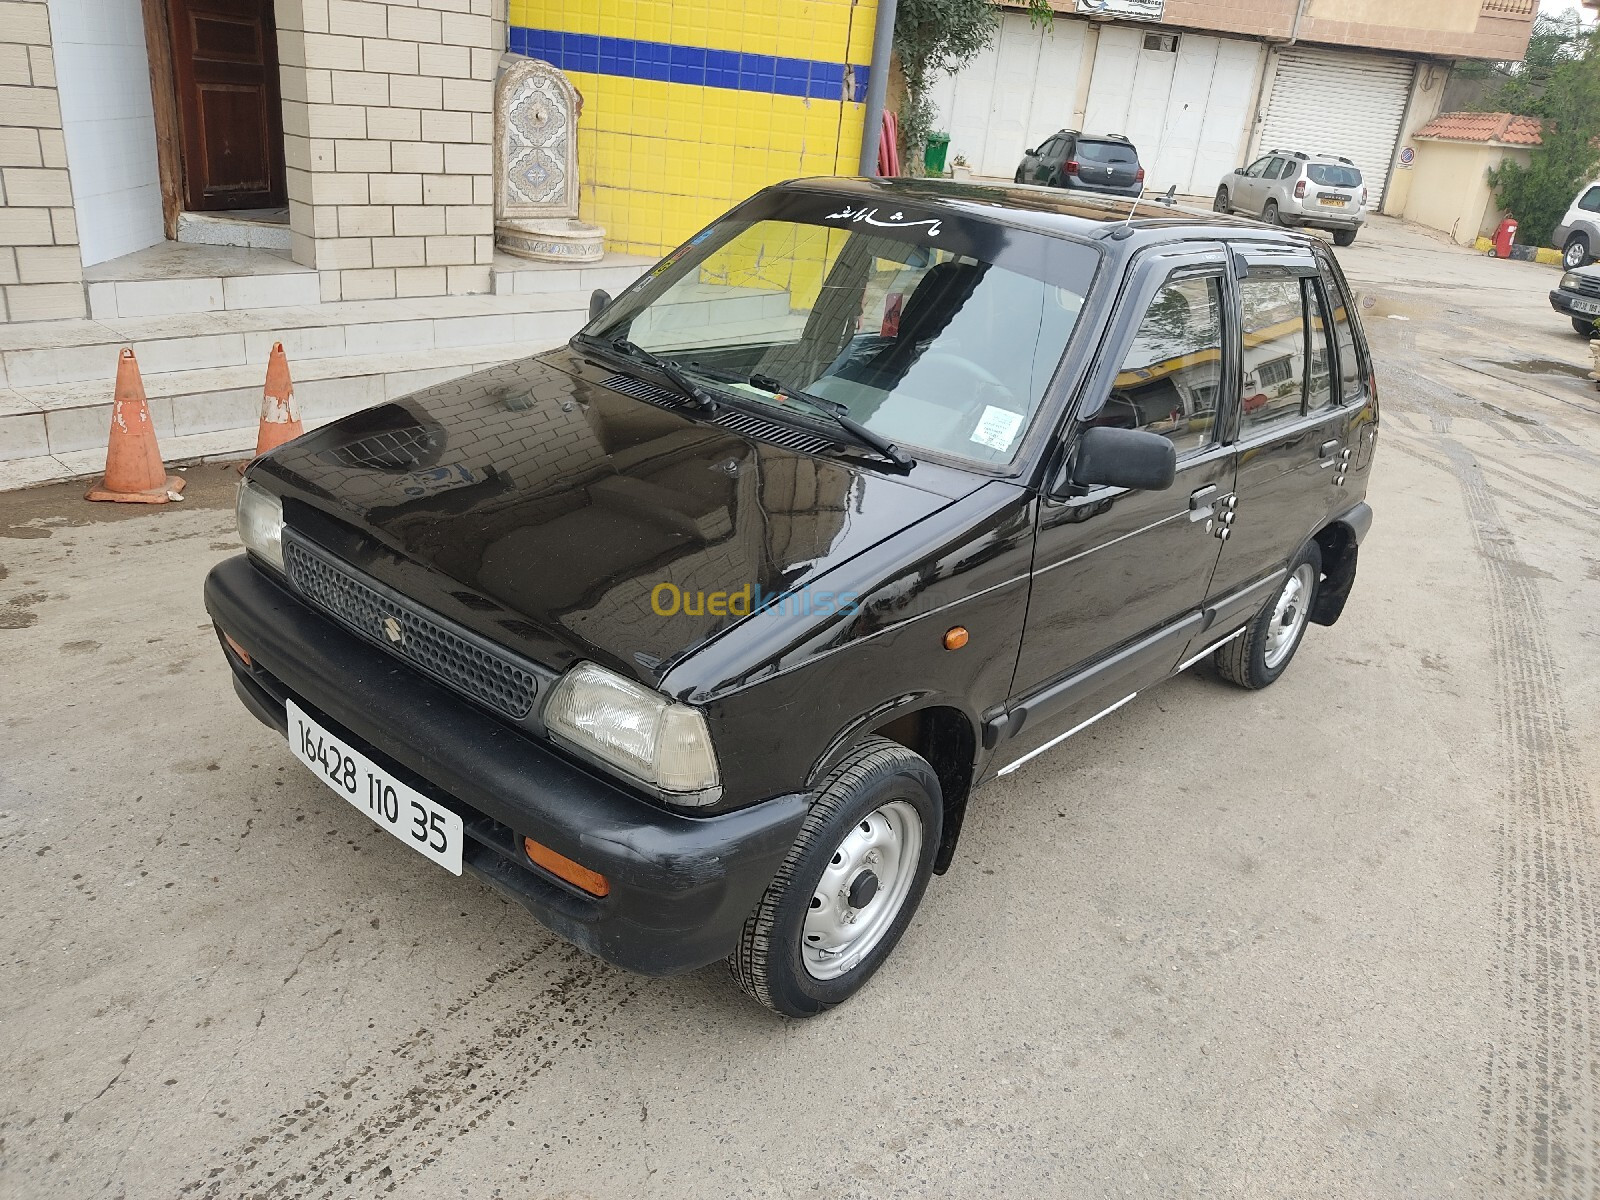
(1333, 940)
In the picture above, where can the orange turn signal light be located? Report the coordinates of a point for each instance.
(563, 867)
(956, 638)
(244, 655)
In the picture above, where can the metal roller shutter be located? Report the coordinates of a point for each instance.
(1331, 102)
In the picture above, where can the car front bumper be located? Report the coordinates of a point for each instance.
(1564, 301)
(681, 887)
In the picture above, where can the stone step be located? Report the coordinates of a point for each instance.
(64, 419)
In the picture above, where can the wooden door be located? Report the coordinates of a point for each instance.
(225, 73)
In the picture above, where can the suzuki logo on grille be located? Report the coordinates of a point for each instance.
(392, 630)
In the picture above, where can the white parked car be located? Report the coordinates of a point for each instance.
(1578, 235)
(1288, 187)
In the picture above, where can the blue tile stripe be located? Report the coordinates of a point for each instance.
(699, 65)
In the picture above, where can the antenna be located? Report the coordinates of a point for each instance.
(1137, 200)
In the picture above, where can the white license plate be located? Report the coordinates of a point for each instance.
(1589, 308)
(428, 828)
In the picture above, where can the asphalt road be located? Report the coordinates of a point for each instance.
(1336, 939)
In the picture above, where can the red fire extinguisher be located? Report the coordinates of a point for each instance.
(1504, 238)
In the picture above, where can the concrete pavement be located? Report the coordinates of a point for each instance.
(1333, 939)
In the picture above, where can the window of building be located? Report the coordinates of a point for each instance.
(1171, 375)
(1166, 43)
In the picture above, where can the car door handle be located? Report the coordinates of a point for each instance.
(1327, 448)
(1200, 499)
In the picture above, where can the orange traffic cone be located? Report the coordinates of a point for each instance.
(280, 415)
(134, 474)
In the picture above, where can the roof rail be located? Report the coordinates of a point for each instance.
(1117, 137)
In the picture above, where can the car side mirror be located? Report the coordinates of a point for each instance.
(1125, 458)
(599, 299)
(1030, 152)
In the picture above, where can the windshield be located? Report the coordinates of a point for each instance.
(932, 347)
(1107, 152)
(1328, 175)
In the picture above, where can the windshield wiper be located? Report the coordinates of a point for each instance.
(690, 390)
(839, 414)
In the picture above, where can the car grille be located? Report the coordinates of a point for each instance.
(452, 655)
(1588, 285)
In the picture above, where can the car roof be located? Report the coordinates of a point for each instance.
(1055, 211)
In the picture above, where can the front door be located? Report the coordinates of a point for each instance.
(1120, 576)
(225, 74)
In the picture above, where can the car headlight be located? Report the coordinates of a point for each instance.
(260, 516)
(1570, 282)
(635, 732)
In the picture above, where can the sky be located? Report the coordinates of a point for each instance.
(1557, 6)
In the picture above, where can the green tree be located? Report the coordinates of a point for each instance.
(1518, 87)
(1569, 104)
(941, 35)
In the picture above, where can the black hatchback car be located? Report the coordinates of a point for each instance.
(1070, 159)
(697, 635)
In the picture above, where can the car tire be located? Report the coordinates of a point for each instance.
(1576, 253)
(1264, 653)
(1585, 327)
(1344, 237)
(1220, 204)
(1018, 178)
(882, 809)
(1269, 214)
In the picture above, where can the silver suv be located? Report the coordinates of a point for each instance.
(1288, 187)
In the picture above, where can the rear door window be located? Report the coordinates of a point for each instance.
(1335, 175)
(1274, 318)
(1352, 371)
(1106, 152)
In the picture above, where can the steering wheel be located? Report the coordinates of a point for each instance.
(986, 385)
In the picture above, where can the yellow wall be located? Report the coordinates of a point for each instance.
(659, 159)
(1450, 188)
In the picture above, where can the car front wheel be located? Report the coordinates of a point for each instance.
(848, 888)
(1270, 213)
(1221, 203)
(1576, 254)
(1269, 643)
(1584, 327)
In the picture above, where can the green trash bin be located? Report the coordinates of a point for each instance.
(933, 156)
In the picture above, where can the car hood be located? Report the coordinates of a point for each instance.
(541, 508)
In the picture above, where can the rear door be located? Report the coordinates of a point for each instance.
(1119, 576)
(1296, 438)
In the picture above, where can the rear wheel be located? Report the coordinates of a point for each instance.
(1221, 204)
(1576, 252)
(848, 888)
(1344, 237)
(1270, 213)
(1584, 327)
(1269, 643)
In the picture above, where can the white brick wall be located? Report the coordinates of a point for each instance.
(41, 273)
(388, 120)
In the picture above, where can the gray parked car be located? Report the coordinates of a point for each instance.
(1288, 187)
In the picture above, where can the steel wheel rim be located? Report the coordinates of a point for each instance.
(887, 844)
(1289, 616)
